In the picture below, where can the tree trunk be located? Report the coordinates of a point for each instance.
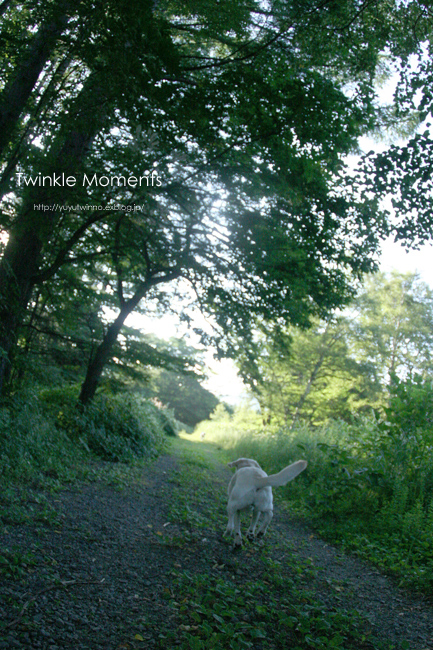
(16, 93)
(309, 386)
(97, 364)
(33, 228)
(325, 346)
(105, 349)
(17, 268)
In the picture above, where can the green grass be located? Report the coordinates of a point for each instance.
(217, 603)
(355, 492)
(368, 487)
(14, 563)
(216, 612)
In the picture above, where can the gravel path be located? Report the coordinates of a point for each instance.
(94, 575)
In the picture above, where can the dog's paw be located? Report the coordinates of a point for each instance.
(238, 541)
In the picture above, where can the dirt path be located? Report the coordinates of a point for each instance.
(110, 571)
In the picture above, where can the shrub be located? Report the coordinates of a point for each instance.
(410, 409)
(32, 448)
(44, 437)
(122, 430)
(117, 428)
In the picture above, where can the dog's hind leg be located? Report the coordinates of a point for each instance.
(252, 529)
(234, 524)
(267, 518)
(230, 524)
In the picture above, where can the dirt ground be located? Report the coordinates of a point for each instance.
(106, 560)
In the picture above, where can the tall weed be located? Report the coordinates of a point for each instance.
(32, 448)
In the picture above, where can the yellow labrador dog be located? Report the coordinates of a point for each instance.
(251, 486)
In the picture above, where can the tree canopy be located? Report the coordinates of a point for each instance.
(200, 143)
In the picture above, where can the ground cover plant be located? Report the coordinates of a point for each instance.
(369, 486)
(268, 612)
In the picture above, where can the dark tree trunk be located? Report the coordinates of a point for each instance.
(18, 90)
(33, 228)
(105, 349)
(99, 361)
(16, 271)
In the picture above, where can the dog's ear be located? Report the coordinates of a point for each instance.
(240, 462)
(243, 462)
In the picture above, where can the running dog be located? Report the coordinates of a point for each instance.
(251, 486)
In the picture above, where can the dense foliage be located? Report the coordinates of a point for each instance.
(194, 153)
(45, 440)
(184, 395)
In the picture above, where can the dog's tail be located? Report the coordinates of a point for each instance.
(287, 474)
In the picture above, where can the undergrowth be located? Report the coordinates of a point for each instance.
(46, 441)
(217, 612)
(368, 485)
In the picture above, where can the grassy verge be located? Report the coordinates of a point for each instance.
(46, 443)
(368, 486)
(261, 598)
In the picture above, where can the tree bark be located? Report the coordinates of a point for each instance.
(99, 361)
(105, 349)
(325, 346)
(16, 270)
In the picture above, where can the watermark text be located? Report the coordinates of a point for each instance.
(115, 207)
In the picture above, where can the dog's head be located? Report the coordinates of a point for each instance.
(244, 462)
